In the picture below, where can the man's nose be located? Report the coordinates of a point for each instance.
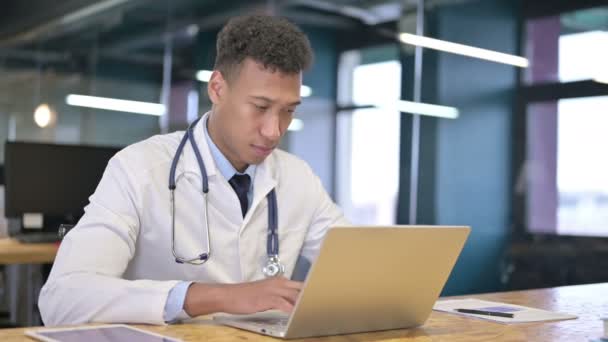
(271, 128)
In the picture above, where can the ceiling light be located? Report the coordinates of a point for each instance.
(296, 125)
(43, 115)
(601, 79)
(204, 75)
(421, 109)
(192, 30)
(137, 107)
(305, 91)
(465, 50)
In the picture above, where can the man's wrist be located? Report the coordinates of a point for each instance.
(204, 299)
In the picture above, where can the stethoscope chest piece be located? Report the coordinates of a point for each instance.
(273, 267)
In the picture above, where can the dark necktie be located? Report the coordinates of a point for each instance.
(240, 184)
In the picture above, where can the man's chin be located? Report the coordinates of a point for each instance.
(257, 159)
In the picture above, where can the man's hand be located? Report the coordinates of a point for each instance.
(275, 293)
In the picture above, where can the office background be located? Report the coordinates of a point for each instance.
(522, 164)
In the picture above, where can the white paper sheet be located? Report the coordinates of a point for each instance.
(521, 314)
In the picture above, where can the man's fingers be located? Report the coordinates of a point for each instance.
(282, 304)
(296, 285)
(288, 294)
(288, 289)
(284, 282)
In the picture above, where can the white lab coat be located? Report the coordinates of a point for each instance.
(116, 265)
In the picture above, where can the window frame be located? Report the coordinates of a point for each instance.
(543, 92)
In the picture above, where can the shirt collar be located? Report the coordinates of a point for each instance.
(221, 162)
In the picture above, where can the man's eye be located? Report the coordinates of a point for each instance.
(261, 108)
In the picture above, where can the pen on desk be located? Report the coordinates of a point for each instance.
(486, 313)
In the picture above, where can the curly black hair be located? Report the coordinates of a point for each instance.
(274, 42)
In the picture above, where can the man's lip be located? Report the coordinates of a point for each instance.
(263, 149)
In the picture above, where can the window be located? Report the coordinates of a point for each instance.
(565, 170)
(568, 167)
(569, 47)
(583, 56)
(368, 145)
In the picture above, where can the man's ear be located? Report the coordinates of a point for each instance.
(216, 87)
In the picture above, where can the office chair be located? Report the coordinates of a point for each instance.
(63, 230)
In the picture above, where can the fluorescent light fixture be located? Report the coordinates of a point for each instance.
(87, 11)
(465, 50)
(305, 91)
(204, 75)
(296, 125)
(421, 108)
(601, 79)
(115, 104)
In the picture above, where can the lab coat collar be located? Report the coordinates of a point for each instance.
(190, 165)
(265, 176)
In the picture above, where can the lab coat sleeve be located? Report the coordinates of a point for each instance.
(326, 214)
(85, 284)
(174, 308)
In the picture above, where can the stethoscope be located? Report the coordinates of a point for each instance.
(273, 267)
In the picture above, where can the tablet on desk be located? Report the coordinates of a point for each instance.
(101, 333)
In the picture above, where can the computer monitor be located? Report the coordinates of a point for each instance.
(53, 180)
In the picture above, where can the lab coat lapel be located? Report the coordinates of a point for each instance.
(221, 195)
(264, 181)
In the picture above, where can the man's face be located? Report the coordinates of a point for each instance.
(252, 111)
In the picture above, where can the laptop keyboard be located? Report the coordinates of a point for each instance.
(268, 322)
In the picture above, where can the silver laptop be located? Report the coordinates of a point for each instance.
(366, 279)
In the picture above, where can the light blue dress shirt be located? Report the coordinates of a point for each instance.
(174, 308)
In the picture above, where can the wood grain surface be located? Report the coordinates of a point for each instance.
(15, 252)
(589, 302)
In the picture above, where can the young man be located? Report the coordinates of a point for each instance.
(145, 254)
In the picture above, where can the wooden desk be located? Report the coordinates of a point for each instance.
(586, 301)
(15, 252)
